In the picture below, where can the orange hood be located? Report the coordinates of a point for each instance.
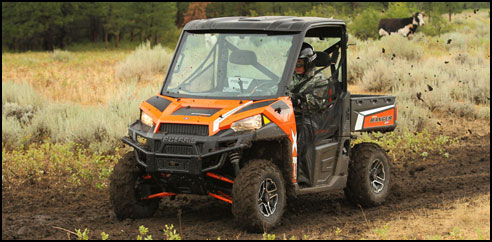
(217, 114)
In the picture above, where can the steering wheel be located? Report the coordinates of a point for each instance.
(264, 86)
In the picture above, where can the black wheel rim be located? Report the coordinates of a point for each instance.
(268, 197)
(377, 176)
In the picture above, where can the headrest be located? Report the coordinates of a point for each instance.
(243, 57)
(322, 59)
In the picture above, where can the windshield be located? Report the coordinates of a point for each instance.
(228, 65)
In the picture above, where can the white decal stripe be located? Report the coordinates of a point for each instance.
(294, 167)
(294, 141)
(376, 110)
(217, 121)
(358, 123)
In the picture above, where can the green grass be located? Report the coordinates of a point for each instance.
(380, 233)
(402, 145)
(67, 165)
(169, 233)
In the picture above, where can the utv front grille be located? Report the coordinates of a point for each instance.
(188, 129)
(179, 149)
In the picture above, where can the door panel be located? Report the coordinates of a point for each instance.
(326, 161)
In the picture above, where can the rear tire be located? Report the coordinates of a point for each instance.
(369, 178)
(126, 188)
(258, 196)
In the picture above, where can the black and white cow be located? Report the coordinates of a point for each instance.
(403, 26)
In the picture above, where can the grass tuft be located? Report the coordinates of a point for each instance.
(144, 62)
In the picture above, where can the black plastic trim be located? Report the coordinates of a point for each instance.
(196, 111)
(158, 102)
(256, 105)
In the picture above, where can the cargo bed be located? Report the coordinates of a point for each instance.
(372, 113)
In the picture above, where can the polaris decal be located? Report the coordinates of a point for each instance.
(382, 116)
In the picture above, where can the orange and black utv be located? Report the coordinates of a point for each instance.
(224, 124)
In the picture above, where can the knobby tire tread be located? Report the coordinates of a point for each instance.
(122, 192)
(244, 195)
(358, 190)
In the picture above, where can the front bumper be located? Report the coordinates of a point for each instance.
(184, 154)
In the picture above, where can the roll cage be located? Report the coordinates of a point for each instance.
(310, 27)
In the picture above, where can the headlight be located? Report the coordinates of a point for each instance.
(251, 123)
(146, 119)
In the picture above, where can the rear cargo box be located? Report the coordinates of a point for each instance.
(372, 113)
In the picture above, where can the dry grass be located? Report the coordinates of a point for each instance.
(97, 127)
(89, 79)
(468, 218)
(448, 73)
(86, 77)
(144, 63)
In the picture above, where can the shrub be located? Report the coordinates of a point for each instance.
(98, 127)
(462, 109)
(20, 93)
(459, 41)
(365, 25)
(378, 78)
(469, 83)
(466, 59)
(144, 61)
(483, 112)
(324, 11)
(436, 26)
(413, 115)
(360, 58)
(61, 55)
(400, 46)
(11, 128)
(23, 114)
(394, 51)
(399, 10)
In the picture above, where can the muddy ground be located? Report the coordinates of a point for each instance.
(433, 183)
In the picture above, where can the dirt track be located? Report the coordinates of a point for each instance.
(432, 183)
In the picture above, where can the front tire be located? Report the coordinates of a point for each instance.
(258, 196)
(126, 189)
(369, 178)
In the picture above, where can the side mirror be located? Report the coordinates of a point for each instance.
(243, 57)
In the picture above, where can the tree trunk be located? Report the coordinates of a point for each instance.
(16, 44)
(48, 43)
(149, 38)
(93, 27)
(61, 39)
(117, 39)
(449, 16)
(106, 39)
